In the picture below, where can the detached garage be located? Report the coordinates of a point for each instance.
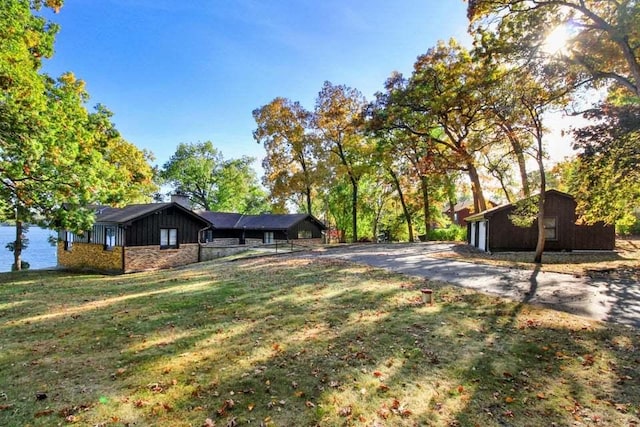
(493, 231)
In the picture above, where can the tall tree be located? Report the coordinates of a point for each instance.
(290, 166)
(595, 40)
(446, 87)
(212, 183)
(389, 120)
(192, 171)
(338, 118)
(54, 161)
(606, 176)
(238, 189)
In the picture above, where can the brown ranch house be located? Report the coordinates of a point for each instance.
(493, 231)
(163, 235)
(135, 238)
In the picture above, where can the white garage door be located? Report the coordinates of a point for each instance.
(482, 235)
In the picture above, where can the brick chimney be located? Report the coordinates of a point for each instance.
(181, 199)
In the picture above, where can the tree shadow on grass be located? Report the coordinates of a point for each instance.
(311, 343)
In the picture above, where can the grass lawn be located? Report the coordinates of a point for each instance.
(287, 341)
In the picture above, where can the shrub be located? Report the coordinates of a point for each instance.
(455, 233)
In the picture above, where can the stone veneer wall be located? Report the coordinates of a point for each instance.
(90, 256)
(307, 242)
(208, 253)
(140, 258)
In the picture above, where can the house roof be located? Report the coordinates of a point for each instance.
(221, 219)
(490, 212)
(468, 205)
(130, 213)
(224, 220)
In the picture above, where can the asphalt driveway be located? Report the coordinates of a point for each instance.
(612, 300)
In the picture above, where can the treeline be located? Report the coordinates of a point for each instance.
(56, 156)
(470, 116)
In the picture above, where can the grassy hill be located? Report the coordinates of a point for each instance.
(291, 341)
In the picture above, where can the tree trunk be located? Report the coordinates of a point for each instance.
(479, 204)
(17, 247)
(354, 207)
(543, 184)
(308, 196)
(407, 215)
(522, 162)
(424, 184)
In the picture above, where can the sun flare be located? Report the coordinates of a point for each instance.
(557, 40)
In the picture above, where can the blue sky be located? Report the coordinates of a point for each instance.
(194, 70)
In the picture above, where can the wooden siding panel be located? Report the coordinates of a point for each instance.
(305, 225)
(598, 236)
(504, 236)
(146, 231)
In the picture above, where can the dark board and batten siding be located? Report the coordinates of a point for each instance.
(146, 231)
(96, 235)
(316, 231)
(504, 236)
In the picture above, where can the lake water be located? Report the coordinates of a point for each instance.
(39, 254)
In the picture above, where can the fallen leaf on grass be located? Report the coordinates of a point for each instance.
(345, 411)
(309, 404)
(621, 407)
(209, 423)
(43, 413)
(377, 374)
(508, 399)
(541, 396)
(5, 407)
(228, 404)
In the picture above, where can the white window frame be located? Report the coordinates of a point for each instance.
(109, 238)
(168, 238)
(550, 229)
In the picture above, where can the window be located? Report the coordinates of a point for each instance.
(168, 238)
(551, 228)
(268, 237)
(304, 234)
(68, 241)
(109, 238)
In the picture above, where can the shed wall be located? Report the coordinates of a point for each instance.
(598, 236)
(504, 236)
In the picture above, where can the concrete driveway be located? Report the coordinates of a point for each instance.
(611, 300)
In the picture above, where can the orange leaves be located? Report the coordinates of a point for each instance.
(383, 388)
